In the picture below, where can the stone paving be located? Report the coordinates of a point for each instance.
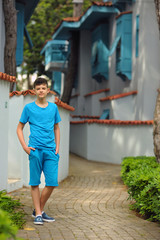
(90, 204)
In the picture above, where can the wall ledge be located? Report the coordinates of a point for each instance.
(118, 96)
(114, 122)
(97, 92)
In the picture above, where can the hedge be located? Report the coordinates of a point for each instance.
(142, 176)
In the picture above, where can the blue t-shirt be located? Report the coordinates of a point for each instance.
(41, 121)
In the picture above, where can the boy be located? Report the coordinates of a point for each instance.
(43, 148)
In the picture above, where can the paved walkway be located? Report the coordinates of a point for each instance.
(90, 204)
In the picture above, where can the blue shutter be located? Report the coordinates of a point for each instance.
(100, 53)
(137, 35)
(105, 114)
(124, 48)
(56, 78)
(20, 33)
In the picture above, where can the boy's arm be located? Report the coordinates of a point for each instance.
(21, 138)
(57, 136)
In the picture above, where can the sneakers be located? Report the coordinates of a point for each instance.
(45, 217)
(38, 220)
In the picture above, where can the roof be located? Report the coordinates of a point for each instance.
(58, 102)
(123, 13)
(114, 122)
(29, 8)
(97, 12)
(26, 92)
(118, 96)
(7, 77)
(64, 105)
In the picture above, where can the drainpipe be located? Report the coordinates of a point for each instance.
(77, 7)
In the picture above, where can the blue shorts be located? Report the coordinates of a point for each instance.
(45, 161)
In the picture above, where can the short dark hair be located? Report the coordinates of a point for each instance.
(39, 81)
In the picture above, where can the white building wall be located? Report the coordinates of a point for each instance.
(4, 114)
(64, 144)
(84, 81)
(93, 106)
(79, 140)
(110, 143)
(148, 62)
(145, 67)
(2, 37)
(14, 153)
(123, 108)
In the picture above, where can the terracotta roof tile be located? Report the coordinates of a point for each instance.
(108, 4)
(7, 77)
(96, 92)
(24, 93)
(118, 96)
(76, 19)
(71, 19)
(114, 122)
(85, 116)
(122, 13)
(31, 92)
(64, 105)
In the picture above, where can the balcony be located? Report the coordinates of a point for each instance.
(56, 55)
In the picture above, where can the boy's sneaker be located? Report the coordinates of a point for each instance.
(38, 220)
(34, 213)
(45, 217)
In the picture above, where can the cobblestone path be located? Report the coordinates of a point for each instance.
(90, 204)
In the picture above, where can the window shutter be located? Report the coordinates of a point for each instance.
(100, 53)
(57, 82)
(20, 33)
(124, 48)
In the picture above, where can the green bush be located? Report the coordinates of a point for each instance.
(14, 209)
(11, 216)
(142, 177)
(7, 230)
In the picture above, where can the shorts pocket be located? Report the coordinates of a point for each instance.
(31, 153)
(57, 155)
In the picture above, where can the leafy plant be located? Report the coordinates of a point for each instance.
(7, 230)
(14, 209)
(142, 176)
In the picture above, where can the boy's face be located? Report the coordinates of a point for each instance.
(41, 91)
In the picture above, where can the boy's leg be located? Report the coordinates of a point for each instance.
(36, 199)
(46, 193)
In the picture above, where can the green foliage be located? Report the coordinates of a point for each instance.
(142, 177)
(46, 16)
(14, 209)
(7, 230)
